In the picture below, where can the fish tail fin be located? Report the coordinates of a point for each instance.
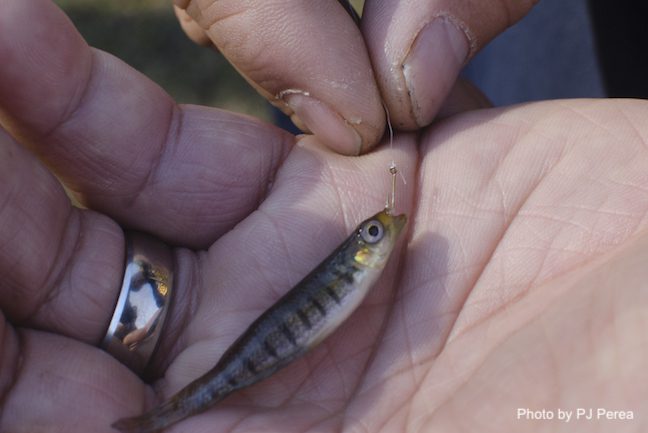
(162, 416)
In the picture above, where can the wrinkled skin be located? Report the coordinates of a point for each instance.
(407, 53)
(521, 281)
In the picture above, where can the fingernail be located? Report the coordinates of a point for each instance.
(432, 65)
(326, 124)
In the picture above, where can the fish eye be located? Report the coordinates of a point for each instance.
(372, 231)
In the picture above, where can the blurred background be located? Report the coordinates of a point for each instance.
(146, 35)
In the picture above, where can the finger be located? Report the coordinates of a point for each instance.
(61, 267)
(191, 28)
(307, 58)
(50, 383)
(120, 143)
(417, 51)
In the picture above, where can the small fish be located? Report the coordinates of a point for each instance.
(296, 323)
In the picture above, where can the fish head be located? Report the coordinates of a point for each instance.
(376, 237)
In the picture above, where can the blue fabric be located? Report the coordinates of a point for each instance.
(549, 54)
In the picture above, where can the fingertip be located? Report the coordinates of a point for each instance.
(416, 89)
(418, 51)
(307, 58)
(372, 132)
(320, 119)
(347, 136)
(191, 28)
(432, 65)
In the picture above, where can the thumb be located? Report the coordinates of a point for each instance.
(418, 47)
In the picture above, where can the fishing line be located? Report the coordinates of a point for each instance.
(393, 170)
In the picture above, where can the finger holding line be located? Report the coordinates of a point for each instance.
(307, 58)
(418, 48)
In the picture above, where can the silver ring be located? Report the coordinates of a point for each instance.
(143, 302)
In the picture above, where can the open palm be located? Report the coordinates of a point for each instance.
(520, 284)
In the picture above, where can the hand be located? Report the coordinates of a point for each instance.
(312, 61)
(521, 282)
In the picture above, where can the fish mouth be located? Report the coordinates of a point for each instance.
(399, 222)
(393, 223)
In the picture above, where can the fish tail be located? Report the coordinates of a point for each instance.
(162, 416)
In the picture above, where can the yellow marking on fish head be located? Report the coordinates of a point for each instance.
(369, 257)
(363, 256)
